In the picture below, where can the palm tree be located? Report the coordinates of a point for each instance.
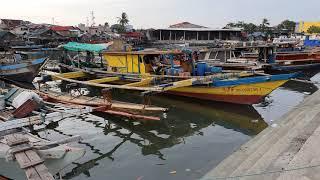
(265, 22)
(264, 25)
(123, 20)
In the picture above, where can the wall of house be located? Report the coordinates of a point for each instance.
(303, 26)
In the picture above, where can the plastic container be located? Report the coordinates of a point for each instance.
(2, 102)
(201, 68)
(213, 69)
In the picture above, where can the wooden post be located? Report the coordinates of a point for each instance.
(160, 36)
(220, 35)
(197, 35)
(208, 35)
(184, 36)
(170, 36)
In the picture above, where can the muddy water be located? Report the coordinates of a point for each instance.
(193, 137)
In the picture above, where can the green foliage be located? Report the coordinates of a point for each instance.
(287, 24)
(314, 30)
(123, 20)
(263, 27)
(247, 27)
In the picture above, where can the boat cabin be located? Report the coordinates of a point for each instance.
(150, 62)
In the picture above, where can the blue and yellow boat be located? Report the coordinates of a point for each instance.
(177, 73)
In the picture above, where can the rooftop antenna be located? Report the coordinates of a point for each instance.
(87, 21)
(92, 19)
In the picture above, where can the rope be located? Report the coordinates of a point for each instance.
(265, 172)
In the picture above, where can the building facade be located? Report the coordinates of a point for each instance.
(303, 26)
(190, 33)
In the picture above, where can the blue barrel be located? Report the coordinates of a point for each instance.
(201, 68)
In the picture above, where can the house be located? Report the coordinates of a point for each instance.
(9, 24)
(20, 30)
(186, 32)
(94, 30)
(7, 39)
(46, 35)
(66, 31)
(186, 25)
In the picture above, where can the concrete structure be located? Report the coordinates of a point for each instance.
(20, 30)
(288, 150)
(303, 26)
(94, 30)
(188, 33)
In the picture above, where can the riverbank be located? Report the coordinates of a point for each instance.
(287, 150)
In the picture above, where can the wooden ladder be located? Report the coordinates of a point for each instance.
(27, 157)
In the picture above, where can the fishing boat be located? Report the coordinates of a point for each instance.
(24, 71)
(106, 106)
(168, 72)
(270, 58)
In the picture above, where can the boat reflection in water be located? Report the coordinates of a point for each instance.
(184, 120)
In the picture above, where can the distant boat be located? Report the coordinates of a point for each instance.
(23, 72)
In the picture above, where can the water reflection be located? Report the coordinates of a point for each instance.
(185, 120)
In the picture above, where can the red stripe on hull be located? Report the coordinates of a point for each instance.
(236, 99)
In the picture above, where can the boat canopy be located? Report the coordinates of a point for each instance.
(95, 48)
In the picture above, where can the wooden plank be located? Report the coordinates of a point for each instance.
(17, 123)
(70, 75)
(143, 82)
(21, 148)
(109, 85)
(41, 169)
(104, 80)
(28, 159)
(98, 102)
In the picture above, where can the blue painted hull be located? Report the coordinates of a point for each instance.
(22, 72)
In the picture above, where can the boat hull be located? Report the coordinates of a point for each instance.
(24, 72)
(239, 94)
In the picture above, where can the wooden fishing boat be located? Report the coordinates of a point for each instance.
(115, 108)
(239, 88)
(23, 72)
(175, 72)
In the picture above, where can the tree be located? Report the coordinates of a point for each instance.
(287, 25)
(250, 28)
(247, 27)
(314, 30)
(123, 20)
(118, 28)
(264, 26)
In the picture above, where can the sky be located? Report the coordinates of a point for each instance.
(161, 13)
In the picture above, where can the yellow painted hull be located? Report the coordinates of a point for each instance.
(239, 94)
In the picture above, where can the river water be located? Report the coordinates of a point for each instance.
(192, 139)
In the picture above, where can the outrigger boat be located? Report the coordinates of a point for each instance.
(24, 71)
(175, 72)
